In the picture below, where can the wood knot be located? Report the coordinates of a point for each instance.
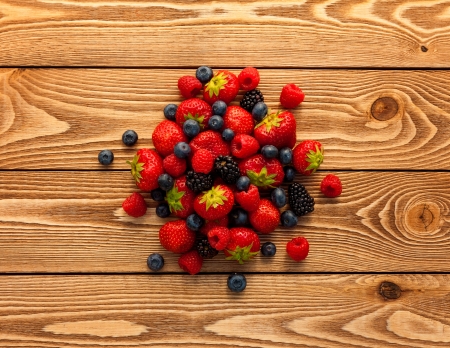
(384, 108)
(390, 291)
(423, 218)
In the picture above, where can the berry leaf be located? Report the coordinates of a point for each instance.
(136, 168)
(173, 198)
(214, 197)
(242, 254)
(217, 83)
(261, 179)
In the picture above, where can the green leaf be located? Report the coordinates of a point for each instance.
(261, 179)
(213, 197)
(242, 254)
(173, 198)
(217, 83)
(272, 120)
(136, 168)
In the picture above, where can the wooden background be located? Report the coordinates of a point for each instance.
(75, 74)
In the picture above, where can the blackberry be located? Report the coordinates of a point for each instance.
(251, 98)
(227, 168)
(198, 181)
(205, 249)
(299, 199)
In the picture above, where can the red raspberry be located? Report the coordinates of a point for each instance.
(331, 186)
(297, 248)
(243, 146)
(174, 166)
(248, 78)
(202, 161)
(291, 96)
(189, 86)
(219, 237)
(135, 205)
(248, 200)
(191, 262)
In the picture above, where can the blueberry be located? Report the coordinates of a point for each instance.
(204, 74)
(238, 217)
(236, 282)
(269, 151)
(165, 182)
(219, 108)
(278, 197)
(285, 155)
(129, 138)
(289, 173)
(227, 134)
(155, 262)
(259, 111)
(243, 183)
(288, 218)
(105, 157)
(162, 210)
(194, 222)
(215, 122)
(158, 194)
(191, 128)
(182, 150)
(169, 111)
(268, 249)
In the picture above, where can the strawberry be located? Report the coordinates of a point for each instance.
(202, 161)
(248, 78)
(244, 244)
(223, 86)
(239, 120)
(291, 96)
(174, 166)
(146, 167)
(191, 262)
(307, 156)
(135, 205)
(194, 109)
(266, 218)
(278, 129)
(180, 198)
(174, 236)
(189, 86)
(214, 203)
(210, 224)
(211, 141)
(297, 248)
(331, 186)
(248, 200)
(243, 146)
(263, 172)
(219, 237)
(166, 135)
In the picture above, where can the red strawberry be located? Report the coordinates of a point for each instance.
(266, 218)
(243, 146)
(174, 236)
(135, 205)
(189, 86)
(244, 244)
(278, 129)
(166, 135)
(180, 198)
(174, 166)
(194, 109)
(202, 161)
(191, 262)
(248, 200)
(331, 186)
(248, 78)
(291, 96)
(214, 203)
(219, 237)
(209, 224)
(239, 120)
(297, 248)
(211, 141)
(146, 167)
(223, 86)
(263, 172)
(307, 156)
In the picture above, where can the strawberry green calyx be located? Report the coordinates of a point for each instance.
(196, 117)
(242, 254)
(213, 197)
(261, 179)
(136, 168)
(217, 83)
(271, 120)
(173, 198)
(314, 158)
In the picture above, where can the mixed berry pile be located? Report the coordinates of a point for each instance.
(212, 161)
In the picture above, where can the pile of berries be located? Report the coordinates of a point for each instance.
(211, 162)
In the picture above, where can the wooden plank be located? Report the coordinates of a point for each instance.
(61, 119)
(73, 222)
(319, 33)
(330, 311)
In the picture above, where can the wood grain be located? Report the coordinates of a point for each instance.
(62, 118)
(73, 222)
(315, 33)
(199, 311)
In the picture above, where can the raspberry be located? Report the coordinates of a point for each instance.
(244, 145)
(291, 96)
(202, 161)
(189, 86)
(191, 262)
(248, 78)
(174, 166)
(249, 199)
(331, 186)
(135, 205)
(297, 248)
(219, 237)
